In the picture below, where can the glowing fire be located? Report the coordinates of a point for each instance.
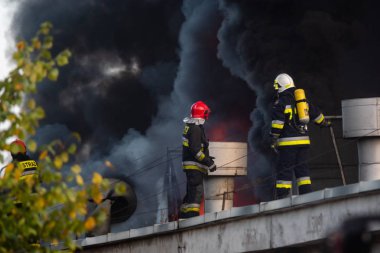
(235, 129)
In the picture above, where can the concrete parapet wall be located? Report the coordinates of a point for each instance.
(292, 221)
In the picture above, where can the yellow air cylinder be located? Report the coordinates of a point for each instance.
(302, 106)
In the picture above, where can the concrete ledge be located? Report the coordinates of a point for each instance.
(191, 222)
(366, 186)
(141, 231)
(266, 226)
(119, 236)
(210, 217)
(308, 198)
(223, 214)
(245, 210)
(275, 204)
(94, 240)
(160, 228)
(341, 191)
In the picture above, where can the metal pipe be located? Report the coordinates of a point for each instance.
(224, 200)
(334, 117)
(337, 155)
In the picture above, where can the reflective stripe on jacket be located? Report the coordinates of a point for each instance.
(30, 169)
(185, 207)
(195, 154)
(285, 124)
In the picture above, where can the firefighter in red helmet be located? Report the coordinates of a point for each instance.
(22, 160)
(196, 161)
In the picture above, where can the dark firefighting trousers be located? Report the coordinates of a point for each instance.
(194, 190)
(292, 159)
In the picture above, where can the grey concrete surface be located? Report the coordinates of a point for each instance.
(295, 221)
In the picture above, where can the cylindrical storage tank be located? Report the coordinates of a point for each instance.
(231, 161)
(361, 119)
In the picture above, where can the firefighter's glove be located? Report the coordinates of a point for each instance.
(212, 158)
(212, 167)
(274, 144)
(326, 123)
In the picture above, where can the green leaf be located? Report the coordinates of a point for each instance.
(45, 54)
(32, 104)
(36, 43)
(45, 28)
(76, 169)
(39, 113)
(53, 74)
(62, 60)
(72, 149)
(58, 162)
(48, 42)
(32, 146)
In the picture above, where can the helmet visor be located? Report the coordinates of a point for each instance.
(207, 113)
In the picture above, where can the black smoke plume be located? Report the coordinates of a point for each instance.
(138, 65)
(137, 68)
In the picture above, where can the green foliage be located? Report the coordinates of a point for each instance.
(47, 209)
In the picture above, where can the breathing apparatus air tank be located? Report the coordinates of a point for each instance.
(302, 106)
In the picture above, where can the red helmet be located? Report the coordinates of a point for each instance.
(200, 110)
(18, 147)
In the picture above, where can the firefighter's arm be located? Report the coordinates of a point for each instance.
(317, 116)
(196, 147)
(277, 124)
(278, 120)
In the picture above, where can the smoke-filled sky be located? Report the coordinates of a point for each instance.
(138, 65)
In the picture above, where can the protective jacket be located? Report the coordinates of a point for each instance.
(285, 123)
(29, 166)
(195, 153)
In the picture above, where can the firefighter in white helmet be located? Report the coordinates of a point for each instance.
(196, 161)
(290, 115)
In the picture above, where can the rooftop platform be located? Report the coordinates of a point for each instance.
(298, 221)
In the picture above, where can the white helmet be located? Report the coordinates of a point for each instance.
(283, 82)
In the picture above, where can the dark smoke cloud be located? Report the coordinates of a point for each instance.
(137, 68)
(138, 65)
(112, 42)
(317, 43)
